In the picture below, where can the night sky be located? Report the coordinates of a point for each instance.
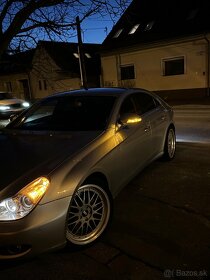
(95, 28)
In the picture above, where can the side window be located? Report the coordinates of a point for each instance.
(144, 102)
(157, 102)
(43, 112)
(127, 106)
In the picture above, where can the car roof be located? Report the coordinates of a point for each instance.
(114, 91)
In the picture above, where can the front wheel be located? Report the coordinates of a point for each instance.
(170, 144)
(88, 214)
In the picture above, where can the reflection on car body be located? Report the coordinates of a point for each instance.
(64, 159)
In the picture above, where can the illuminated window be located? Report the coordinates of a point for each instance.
(127, 72)
(134, 28)
(87, 55)
(76, 55)
(173, 66)
(117, 34)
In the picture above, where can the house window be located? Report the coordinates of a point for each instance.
(134, 28)
(173, 66)
(87, 55)
(127, 72)
(76, 55)
(117, 34)
(45, 84)
(40, 85)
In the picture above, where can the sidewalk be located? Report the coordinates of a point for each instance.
(188, 101)
(192, 107)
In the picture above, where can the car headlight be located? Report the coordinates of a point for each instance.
(24, 201)
(4, 108)
(25, 104)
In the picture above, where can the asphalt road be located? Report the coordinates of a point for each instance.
(160, 227)
(193, 123)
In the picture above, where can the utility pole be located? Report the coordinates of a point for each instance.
(81, 56)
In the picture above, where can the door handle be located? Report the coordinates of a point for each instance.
(163, 117)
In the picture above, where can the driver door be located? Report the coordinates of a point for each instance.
(135, 140)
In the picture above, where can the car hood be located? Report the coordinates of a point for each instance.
(11, 101)
(31, 154)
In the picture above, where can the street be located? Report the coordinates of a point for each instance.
(161, 221)
(193, 123)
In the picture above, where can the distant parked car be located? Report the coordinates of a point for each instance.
(9, 105)
(66, 157)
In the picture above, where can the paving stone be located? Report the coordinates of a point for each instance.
(102, 252)
(126, 268)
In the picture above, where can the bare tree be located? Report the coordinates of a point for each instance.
(24, 22)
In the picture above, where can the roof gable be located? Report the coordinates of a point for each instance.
(65, 55)
(16, 63)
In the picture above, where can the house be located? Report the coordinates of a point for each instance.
(50, 68)
(15, 74)
(163, 46)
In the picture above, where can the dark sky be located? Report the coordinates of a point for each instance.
(96, 28)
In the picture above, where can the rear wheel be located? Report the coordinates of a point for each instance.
(88, 214)
(170, 144)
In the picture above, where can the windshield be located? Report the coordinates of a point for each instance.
(67, 113)
(5, 95)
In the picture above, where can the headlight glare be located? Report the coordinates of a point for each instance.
(11, 205)
(25, 104)
(4, 108)
(24, 201)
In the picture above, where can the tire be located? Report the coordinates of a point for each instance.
(88, 214)
(170, 144)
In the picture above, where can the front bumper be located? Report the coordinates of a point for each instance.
(42, 230)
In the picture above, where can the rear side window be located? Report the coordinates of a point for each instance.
(144, 102)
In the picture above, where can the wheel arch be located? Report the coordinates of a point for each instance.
(97, 177)
(171, 126)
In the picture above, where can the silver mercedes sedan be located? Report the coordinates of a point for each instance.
(64, 159)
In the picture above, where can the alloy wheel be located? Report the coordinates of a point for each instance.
(171, 145)
(88, 215)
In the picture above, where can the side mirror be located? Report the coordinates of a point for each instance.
(129, 119)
